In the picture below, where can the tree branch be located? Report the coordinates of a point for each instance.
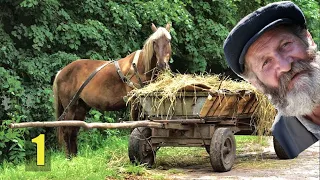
(123, 125)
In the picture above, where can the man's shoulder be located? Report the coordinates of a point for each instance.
(281, 120)
(293, 136)
(294, 121)
(311, 126)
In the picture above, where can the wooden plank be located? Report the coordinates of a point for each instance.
(249, 104)
(225, 105)
(183, 121)
(207, 106)
(215, 106)
(243, 103)
(253, 107)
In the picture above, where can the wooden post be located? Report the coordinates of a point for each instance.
(75, 123)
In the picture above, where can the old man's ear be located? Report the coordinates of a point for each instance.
(310, 40)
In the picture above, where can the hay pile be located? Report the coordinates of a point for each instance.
(168, 85)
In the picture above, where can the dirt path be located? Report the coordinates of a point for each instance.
(263, 165)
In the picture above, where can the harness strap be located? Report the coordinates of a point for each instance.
(122, 77)
(134, 67)
(137, 75)
(135, 59)
(76, 96)
(132, 72)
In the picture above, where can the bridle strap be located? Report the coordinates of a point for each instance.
(122, 77)
(135, 59)
(132, 72)
(134, 66)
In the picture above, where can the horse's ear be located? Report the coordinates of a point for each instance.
(168, 27)
(153, 27)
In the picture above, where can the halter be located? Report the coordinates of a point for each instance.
(132, 72)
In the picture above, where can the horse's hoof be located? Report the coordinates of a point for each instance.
(68, 158)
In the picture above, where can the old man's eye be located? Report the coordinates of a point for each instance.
(265, 63)
(286, 44)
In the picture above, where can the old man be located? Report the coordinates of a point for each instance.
(272, 49)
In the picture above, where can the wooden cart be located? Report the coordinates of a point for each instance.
(195, 119)
(208, 119)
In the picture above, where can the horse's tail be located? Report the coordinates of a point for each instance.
(58, 108)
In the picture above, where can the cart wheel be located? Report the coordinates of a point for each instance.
(222, 150)
(207, 147)
(139, 147)
(279, 150)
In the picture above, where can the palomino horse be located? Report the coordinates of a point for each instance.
(107, 88)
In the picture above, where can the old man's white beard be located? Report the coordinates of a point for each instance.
(304, 95)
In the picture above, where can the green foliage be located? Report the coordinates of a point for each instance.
(311, 10)
(94, 137)
(201, 38)
(11, 141)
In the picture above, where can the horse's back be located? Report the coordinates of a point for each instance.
(70, 78)
(104, 91)
(78, 69)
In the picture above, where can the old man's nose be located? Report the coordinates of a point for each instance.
(284, 64)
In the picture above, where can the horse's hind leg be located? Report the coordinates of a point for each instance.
(68, 131)
(73, 149)
(80, 114)
(71, 133)
(70, 138)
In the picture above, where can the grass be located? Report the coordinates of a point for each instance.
(89, 164)
(112, 162)
(250, 143)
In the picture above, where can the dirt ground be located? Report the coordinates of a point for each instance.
(261, 165)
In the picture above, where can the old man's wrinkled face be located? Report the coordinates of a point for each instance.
(287, 70)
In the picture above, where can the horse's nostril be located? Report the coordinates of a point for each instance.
(161, 66)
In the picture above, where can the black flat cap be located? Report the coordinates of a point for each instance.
(251, 27)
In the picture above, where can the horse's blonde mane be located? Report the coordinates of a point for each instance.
(148, 46)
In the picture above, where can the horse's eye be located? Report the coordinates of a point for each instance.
(155, 44)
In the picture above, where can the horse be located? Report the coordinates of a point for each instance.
(107, 88)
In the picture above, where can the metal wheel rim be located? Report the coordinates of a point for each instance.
(227, 151)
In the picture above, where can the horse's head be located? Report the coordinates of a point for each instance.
(162, 46)
(159, 46)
